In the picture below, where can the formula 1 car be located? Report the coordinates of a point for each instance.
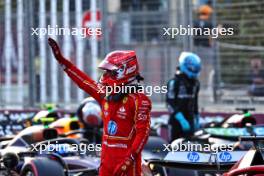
(228, 163)
(227, 132)
(225, 135)
(11, 125)
(236, 120)
(40, 151)
(252, 162)
(193, 163)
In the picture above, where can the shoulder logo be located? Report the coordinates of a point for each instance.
(106, 106)
(124, 100)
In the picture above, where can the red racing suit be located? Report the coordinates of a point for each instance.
(126, 123)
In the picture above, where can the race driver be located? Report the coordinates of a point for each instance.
(126, 116)
(182, 96)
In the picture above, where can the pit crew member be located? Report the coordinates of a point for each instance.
(182, 96)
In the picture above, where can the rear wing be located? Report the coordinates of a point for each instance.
(245, 109)
(221, 161)
(235, 133)
(251, 138)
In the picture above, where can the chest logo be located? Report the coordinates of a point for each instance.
(122, 109)
(121, 113)
(112, 127)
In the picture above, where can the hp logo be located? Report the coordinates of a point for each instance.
(225, 156)
(193, 156)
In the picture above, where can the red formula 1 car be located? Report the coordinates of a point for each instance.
(253, 161)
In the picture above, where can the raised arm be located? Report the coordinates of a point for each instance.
(79, 77)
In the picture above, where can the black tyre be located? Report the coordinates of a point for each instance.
(42, 167)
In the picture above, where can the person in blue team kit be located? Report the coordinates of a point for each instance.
(182, 96)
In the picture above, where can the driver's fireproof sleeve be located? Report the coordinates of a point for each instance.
(142, 125)
(79, 77)
(82, 80)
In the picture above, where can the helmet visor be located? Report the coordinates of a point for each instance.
(105, 65)
(110, 73)
(194, 69)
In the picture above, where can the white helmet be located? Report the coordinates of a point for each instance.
(90, 113)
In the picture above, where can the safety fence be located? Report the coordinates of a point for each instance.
(30, 76)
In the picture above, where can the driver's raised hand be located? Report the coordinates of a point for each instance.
(55, 49)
